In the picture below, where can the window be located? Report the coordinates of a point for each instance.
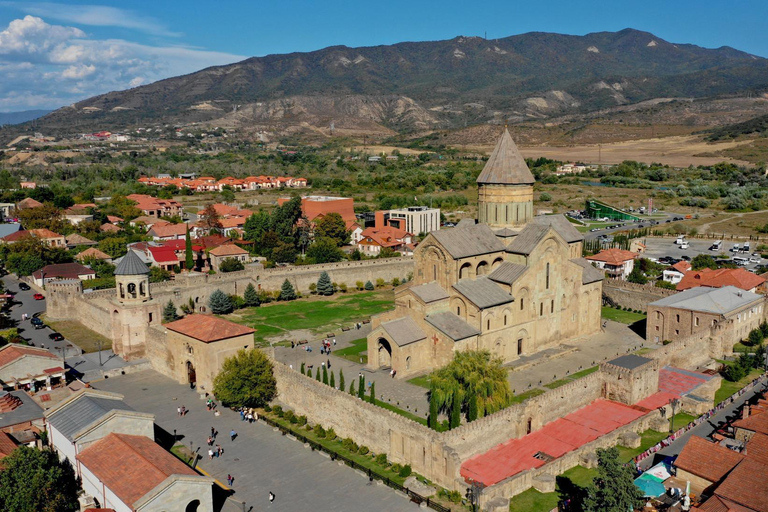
(696, 321)
(434, 272)
(522, 302)
(547, 276)
(552, 306)
(657, 328)
(150, 318)
(488, 324)
(677, 331)
(541, 309)
(505, 319)
(658, 315)
(677, 318)
(520, 346)
(458, 310)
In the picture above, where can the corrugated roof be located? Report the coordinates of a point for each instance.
(483, 292)
(590, 274)
(82, 412)
(131, 265)
(528, 239)
(709, 300)
(506, 166)
(451, 325)
(507, 273)
(563, 227)
(404, 331)
(630, 361)
(430, 292)
(468, 241)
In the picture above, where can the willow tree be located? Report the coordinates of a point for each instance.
(473, 384)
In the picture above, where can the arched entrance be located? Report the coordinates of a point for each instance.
(482, 268)
(385, 353)
(191, 375)
(192, 506)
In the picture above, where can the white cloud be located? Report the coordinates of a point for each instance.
(93, 15)
(45, 65)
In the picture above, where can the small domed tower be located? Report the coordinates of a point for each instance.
(132, 280)
(505, 187)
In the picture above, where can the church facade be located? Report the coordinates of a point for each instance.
(512, 284)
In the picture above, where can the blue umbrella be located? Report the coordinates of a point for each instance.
(650, 486)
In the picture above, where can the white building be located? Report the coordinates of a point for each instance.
(617, 263)
(675, 273)
(414, 219)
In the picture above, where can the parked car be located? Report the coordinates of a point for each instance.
(754, 260)
(38, 296)
(35, 320)
(24, 286)
(55, 336)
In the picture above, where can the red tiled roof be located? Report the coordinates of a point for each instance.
(16, 236)
(716, 504)
(707, 460)
(168, 230)
(110, 228)
(757, 448)
(737, 277)
(754, 423)
(747, 485)
(63, 271)
(208, 328)
(681, 266)
(28, 203)
(45, 233)
(613, 256)
(143, 465)
(14, 351)
(232, 222)
(93, 252)
(227, 250)
(6, 445)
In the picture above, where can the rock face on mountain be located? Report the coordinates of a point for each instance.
(416, 86)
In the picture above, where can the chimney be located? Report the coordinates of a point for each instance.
(745, 411)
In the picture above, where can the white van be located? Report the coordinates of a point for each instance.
(684, 245)
(735, 247)
(742, 262)
(680, 240)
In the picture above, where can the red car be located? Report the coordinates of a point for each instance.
(38, 296)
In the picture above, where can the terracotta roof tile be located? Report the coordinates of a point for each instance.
(6, 445)
(208, 328)
(707, 460)
(682, 266)
(14, 351)
(747, 485)
(757, 448)
(93, 252)
(143, 465)
(227, 250)
(737, 277)
(45, 233)
(755, 423)
(613, 256)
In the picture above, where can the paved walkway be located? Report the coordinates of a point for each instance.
(260, 459)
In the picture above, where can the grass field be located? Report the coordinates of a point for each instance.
(422, 380)
(80, 335)
(319, 315)
(649, 438)
(535, 501)
(561, 382)
(355, 352)
(625, 317)
(728, 388)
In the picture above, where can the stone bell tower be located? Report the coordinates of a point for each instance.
(505, 187)
(132, 280)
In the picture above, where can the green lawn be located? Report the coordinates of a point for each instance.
(682, 419)
(649, 438)
(354, 352)
(318, 314)
(80, 335)
(625, 317)
(535, 501)
(571, 378)
(522, 397)
(422, 380)
(728, 388)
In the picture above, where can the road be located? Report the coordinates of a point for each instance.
(662, 223)
(707, 428)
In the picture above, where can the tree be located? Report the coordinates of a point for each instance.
(210, 219)
(169, 312)
(341, 379)
(372, 397)
(114, 246)
(158, 275)
(325, 250)
(256, 225)
(317, 375)
(368, 285)
(231, 265)
(325, 375)
(332, 226)
(755, 337)
(637, 276)
(613, 489)
(361, 387)
(324, 285)
(189, 260)
(251, 296)
(286, 291)
(284, 253)
(245, 380)
(37, 480)
(333, 381)
(46, 216)
(302, 368)
(352, 388)
(703, 261)
(220, 303)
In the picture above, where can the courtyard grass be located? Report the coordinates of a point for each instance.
(728, 388)
(357, 350)
(535, 501)
(522, 397)
(319, 315)
(648, 439)
(561, 382)
(182, 453)
(618, 315)
(80, 335)
(423, 381)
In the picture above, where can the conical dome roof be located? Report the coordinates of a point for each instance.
(131, 265)
(506, 165)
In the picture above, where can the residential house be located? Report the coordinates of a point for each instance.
(29, 368)
(28, 203)
(705, 464)
(9, 229)
(108, 227)
(675, 273)
(62, 271)
(737, 277)
(751, 424)
(373, 240)
(414, 219)
(7, 446)
(28, 185)
(46, 235)
(19, 413)
(168, 231)
(76, 240)
(148, 478)
(93, 253)
(153, 207)
(225, 252)
(617, 263)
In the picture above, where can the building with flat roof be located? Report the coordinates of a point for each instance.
(413, 219)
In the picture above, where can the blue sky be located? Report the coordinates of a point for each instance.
(56, 53)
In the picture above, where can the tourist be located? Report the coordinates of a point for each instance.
(328, 363)
(271, 496)
(210, 454)
(178, 411)
(230, 480)
(334, 342)
(213, 432)
(242, 414)
(232, 435)
(219, 450)
(210, 441)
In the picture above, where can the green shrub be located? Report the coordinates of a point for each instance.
(330, 434)
(396, 282)
(359, 285)
(267, 408)
(302, 420)
(734, 372)
(364, 450)
(369, 286)
(396, 467)
(291, 417)
(380, 283)
(405, 471)
(278, 411)
(343, 287)
(320, 431)
(381, 459)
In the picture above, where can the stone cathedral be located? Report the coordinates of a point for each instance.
(511, 283)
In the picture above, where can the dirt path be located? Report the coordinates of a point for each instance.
(706, 228)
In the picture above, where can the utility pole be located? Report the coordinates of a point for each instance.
(674, 403)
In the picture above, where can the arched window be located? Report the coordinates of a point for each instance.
(522, 303)
(488, 324)
(552, 306)
(132, 290)
(547, 276)
(408, 363)
(505, 319)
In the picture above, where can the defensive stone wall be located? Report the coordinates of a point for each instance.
(632, 295)
(692, 352)
(404, 441)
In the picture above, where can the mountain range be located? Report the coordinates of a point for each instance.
(21, 117)
(417, 86)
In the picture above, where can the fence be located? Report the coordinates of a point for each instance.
(415, 497)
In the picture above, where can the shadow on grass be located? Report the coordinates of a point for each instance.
(571, 495)
(639, 327)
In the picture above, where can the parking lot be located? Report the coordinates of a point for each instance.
(659, 247)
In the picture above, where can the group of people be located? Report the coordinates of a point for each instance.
(326, 346)
(248, 415)
(182, 411)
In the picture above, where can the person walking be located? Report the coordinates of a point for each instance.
(271, 496)
(178, 411)
(232, 435)
(219, 450)
(213, 432)
(230, 480)
(210, 454)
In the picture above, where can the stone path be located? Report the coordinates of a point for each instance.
(260, 459)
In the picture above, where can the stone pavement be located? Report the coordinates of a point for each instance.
(260, 459)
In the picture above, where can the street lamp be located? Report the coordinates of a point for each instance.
(473, 493)
(674, 403)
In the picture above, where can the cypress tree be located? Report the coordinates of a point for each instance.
(434, 408)
(373, 393)
(189, 261)
(333, 381)
(325, 375)
(472, 413)
(302, 368)
(286, 291)
(317, 375)
(220, 303)
(352, 388)
(169, 312)
(341, 379)
(324, 284)
(251, 296)
(455, 420)
(361, 388)
(368, 285)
